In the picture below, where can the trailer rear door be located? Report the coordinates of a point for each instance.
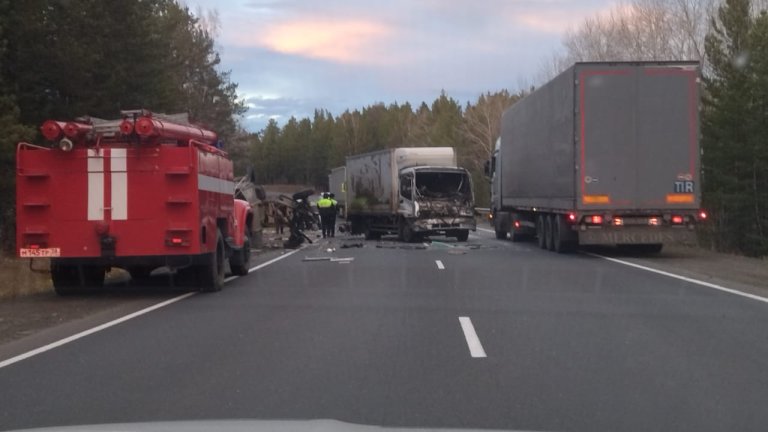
(638, 134)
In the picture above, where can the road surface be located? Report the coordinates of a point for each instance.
(496, 335)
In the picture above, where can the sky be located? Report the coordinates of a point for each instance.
(290, 57)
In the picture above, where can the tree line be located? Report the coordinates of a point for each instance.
(60, 59)
(303, 151)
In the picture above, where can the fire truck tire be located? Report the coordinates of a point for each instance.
(211, 274)
(66, 278)
(462, 235)
(241, 261)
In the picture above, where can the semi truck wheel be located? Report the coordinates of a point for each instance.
(540, 234)
(549, 238)
(211, 274)
(500, 233)
(561, 244)
(462, 235)
(241, 261)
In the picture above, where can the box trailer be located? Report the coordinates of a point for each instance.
(605, 153)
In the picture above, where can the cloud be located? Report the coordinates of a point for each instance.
(352, 41)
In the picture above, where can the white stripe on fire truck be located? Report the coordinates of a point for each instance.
(213, 184)
(118, 165)
(95, 185)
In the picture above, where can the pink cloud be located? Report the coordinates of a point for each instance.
(340, 40)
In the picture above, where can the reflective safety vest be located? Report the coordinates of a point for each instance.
(324, 203)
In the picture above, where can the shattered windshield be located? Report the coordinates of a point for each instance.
(442, 184)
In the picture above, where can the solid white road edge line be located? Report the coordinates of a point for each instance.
(486, 230)
(125, 318)
(273, 260)
(683, 278)
(90, 331)
(440, 264)
(473, 342)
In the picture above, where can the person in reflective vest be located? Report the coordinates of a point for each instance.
(332, 214)
(325, 208)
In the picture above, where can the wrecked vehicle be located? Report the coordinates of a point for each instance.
(411, 192)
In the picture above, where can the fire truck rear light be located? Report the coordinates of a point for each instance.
(176, 241)
(51, 130)
(33, 246)
(66, 144)
(618, 221)
(595, 219)
(517, 224)
(702, 214)
(677, 220)
(654, 221)
(571, 217)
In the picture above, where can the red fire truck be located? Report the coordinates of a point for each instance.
(137, 193)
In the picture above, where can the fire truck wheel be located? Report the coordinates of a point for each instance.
(212, 273)
(66, 278)
(240, 262)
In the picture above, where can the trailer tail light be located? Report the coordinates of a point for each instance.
(702, 215)
(618, 221)
(52, 130)
(571, 217)
(595, 219)
(677, 220)
(654, 221)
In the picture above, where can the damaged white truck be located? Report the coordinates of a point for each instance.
(412, 192)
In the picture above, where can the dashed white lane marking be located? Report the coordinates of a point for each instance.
(440, 264)
(683, 278)
(122, 319)
(473, 342)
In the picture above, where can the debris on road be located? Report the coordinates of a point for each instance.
(351, 245)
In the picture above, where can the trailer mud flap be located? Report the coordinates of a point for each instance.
(609, 236)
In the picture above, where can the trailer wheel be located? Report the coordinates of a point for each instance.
(462, 235)
(500, 233)
(212, 273)
(549, 238)
(560, 244)
(540, 234)
(242, 259)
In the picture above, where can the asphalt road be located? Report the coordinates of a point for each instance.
(497, 335)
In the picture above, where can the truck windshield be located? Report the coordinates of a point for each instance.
(442, 184)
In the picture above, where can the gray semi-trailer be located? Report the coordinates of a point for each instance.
(412, 192)
(605, 153)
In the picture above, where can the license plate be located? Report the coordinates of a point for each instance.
(39, 253)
